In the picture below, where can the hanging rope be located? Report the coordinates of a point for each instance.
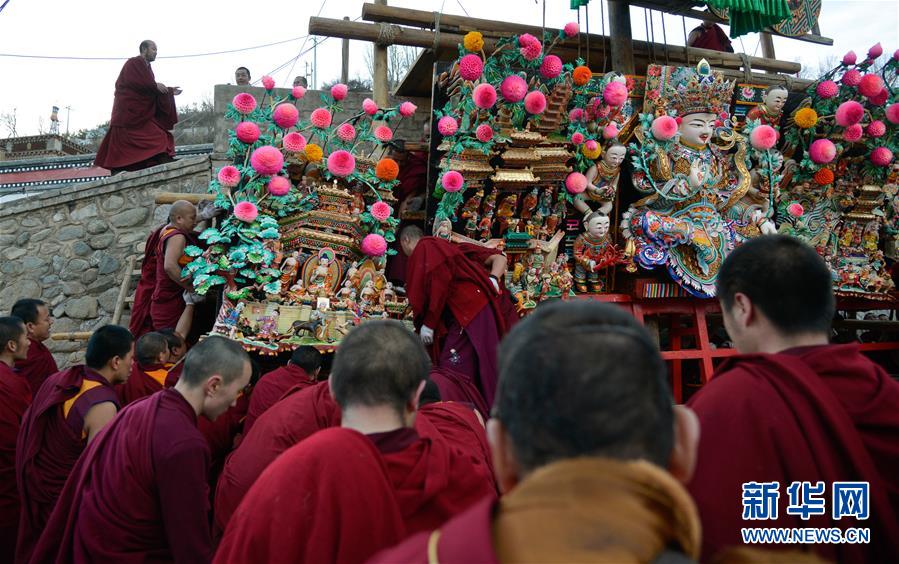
(602, 23)
(686, 49)
(387, 35)
(665, 39)
(747, 67)
(543, 25)
(587, 18)
(652, 29)
(579, 34)
(646, 26)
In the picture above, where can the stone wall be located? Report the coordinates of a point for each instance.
(70, 247)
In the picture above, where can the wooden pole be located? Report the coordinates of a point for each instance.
(379, 80)
(345, 57)
(622, 42)
(767, 46)
(172, 197)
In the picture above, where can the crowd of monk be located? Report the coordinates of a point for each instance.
(153, 451)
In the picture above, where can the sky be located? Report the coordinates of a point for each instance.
(114, 28)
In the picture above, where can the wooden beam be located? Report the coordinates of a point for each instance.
(622, 47)
(767, 43)
(172, 197)
(379, 80)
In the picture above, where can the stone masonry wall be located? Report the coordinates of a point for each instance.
(70, 247)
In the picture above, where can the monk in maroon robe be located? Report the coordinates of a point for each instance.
(168, 302)
(143, 113)
(458, 387)
(411, 187)
(302, 371)
(709, 35)
(139, 492)
(141, 322)
(793, 408)
(70, 409)
(458, 304)
(40, 363)
(378, 374)
(148, 371)
(15, 396)
(587, 448)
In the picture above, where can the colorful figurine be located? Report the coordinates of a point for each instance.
(602, 180)
(593, 251)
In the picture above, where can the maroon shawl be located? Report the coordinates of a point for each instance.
(39, 365)
(141, 323)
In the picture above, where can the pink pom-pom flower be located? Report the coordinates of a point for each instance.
(383, 133)
(267, 160)
(246, 211)
(447, 126)
(822, 151)
(849, 58)
(851, 78)
(320, 118)
(880, 98)
(471, 67)
(827, 89)
(615, 93)
(795, 209)
(484, 133)
(849, 112)
(452, 181)
(346, 132)
(664, 128)
(298, 92)
(870, 85)
(513, 88)
(530, 46)
(338, 91)
(535, 102)
(229, 176)
(341, 163)
(881, 156)
(893, 113)
(577, 114)
(853, 133)
(268, 82)
(876, 128)
(551, 67)
(484, 96)
(278, 186)
(381, 211)
(576, 183)
(610, 131)
(571, 29)
(763, 137)
(577, 138)
(247, 132)
(244, 103)
(369, 106)
(407, 109)
(875, 51)
(591, 145)
(374, 245)
(285, 115)
(294, 142)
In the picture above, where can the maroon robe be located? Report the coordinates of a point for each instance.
(142, 116)
(39, 365)
(347, 511)
(139, 492)
(144, 381)
(220, 436)
(461, 428)
(450, 291)
(712, 38)
(15, 397)
(50, 441)
(412, 180)
(141, 323)
(299, 414)
(272, 387)
(458, 387)
(168, 300)
(813, 414)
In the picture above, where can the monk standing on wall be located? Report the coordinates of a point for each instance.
(143, 114)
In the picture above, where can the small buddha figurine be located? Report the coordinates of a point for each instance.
(289, 269)
(297, 292)
(347, 293)
(368, 295)
(770, 111)
(352, 272)
(322, 273)
(593, 251)
(388, 294)
(602, 180)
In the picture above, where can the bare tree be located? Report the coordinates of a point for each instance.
(400, 59)
(8, 120)
(824, 65)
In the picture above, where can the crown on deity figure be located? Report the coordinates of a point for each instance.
(699, 91)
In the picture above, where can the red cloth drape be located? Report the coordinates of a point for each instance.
(15, 397)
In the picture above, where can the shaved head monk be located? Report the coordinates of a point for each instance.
(302, 370)
(366, 484)
(15, 396)
(139, 492)
(167, 304)
(587, 446)
(67, 413)
(793, 408)
(143, 114)
(148, 371)
(40, 362)
(457, 295)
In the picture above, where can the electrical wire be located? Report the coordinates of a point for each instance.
(4, 5)
(314, 42)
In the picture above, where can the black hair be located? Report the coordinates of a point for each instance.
(430, 394)
(214, 355)
(11, 329)
(149, 347)
(308, 358)
(145, 44)
(27, 309)
(785, 279)
(244, 68)
(379, 362)
(583, 379)
(106, 343)
(172, 338)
